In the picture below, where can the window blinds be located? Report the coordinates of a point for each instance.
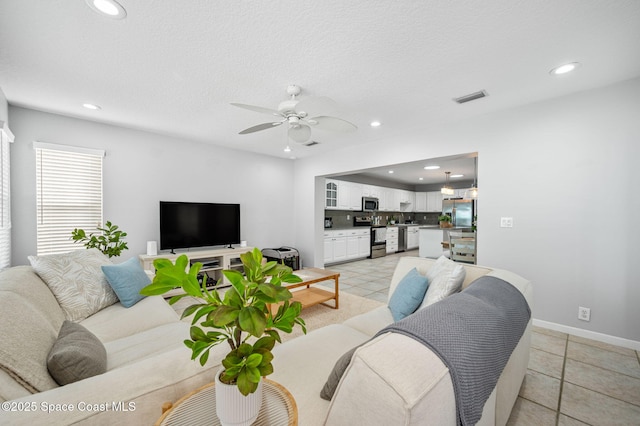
(68, 195)
(5, 199)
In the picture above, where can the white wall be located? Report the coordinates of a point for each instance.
(566, 170)
(141, 168)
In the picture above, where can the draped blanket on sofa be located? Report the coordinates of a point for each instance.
(474, 333)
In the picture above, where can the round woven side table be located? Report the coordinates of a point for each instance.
(199, 408)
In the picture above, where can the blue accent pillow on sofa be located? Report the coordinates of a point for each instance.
(408, 295)
(127, 279)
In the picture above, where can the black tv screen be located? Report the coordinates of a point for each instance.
(186, 225)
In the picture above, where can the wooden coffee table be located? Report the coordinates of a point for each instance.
(310, 296)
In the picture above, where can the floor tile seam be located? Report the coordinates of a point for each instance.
(564, 365)
(550, 353)
(602, 394)
(537, 403)
(543, 374)
(605, 350)
(604, 368)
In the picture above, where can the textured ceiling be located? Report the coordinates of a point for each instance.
(173, 67)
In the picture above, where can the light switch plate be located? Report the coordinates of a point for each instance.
(506, 222)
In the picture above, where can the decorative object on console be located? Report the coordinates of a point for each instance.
(241, 314)
(110, 242)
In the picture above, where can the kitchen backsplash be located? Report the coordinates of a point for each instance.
(344, 219)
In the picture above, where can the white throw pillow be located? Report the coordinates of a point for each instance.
(77, 281)
(445, 278)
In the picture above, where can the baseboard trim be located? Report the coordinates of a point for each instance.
(600, 337)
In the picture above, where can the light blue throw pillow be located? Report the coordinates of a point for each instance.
(408, 295)
(126, 280)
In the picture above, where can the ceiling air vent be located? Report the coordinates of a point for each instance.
(312, 143)
(471, 97)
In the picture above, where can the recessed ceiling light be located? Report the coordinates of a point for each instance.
(109, 8)
(420, 178)
(563, 69)
(375, 124)
(287, 149)
(456, 176)
(431, 167)
(91, 106)
(390, 172)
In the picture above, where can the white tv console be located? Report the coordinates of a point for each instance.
(214, 261)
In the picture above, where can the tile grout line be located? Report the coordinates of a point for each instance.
(564, 364)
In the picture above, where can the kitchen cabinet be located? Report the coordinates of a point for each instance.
(434, 201)
(341, 245)
(406, 200)
(392, 239)
(421, 202)
(349, 196)
(331, 194)
(413, 238)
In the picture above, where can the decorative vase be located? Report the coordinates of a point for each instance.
(235, 409)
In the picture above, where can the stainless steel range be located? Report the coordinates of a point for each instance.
(378, 235)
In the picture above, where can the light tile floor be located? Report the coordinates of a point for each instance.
(570, 380)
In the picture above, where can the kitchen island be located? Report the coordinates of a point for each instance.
(431, 239)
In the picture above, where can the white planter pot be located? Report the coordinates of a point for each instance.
(235, 409)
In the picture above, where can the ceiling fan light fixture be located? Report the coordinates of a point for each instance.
(375, 124)
(109, 8)
(93, 107)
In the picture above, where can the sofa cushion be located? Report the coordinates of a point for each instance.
(127, 279)
(371, 322)
(408, 295)
(77, 281)
(77, 354)
(445, 278)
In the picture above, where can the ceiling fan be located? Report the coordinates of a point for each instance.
(301, 115)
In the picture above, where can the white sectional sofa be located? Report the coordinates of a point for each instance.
(377, 389)
(147, 364)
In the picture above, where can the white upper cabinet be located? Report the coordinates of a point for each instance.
(331, 194)
(421, 202)
(434, 201)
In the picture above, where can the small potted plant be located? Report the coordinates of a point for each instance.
(445, 221)
(242, 317)
(111, 242)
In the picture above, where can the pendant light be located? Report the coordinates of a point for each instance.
(473, 192)
(446, 189)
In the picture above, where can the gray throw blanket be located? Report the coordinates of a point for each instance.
(474, 333)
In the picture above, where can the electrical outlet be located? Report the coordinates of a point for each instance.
(584, 314)
(506, 222)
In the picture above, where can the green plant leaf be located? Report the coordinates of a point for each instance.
(254, 360)
(264, 343)
(244, 350)
(252, 320)
(197, 334)
(223, 315)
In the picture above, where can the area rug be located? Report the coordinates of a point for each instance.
(319, 316)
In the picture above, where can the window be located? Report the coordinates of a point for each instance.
(68, 194)
(5, 197)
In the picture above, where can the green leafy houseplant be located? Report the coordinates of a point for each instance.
(110, 242)
(238, 318)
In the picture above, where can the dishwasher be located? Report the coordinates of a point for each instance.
(402, 238)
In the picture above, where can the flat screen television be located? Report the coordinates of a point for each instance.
(187, 225)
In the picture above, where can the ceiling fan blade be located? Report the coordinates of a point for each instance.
(258, 109)
(300, 132)
(334, 124)
(316, 105)
(257, 128)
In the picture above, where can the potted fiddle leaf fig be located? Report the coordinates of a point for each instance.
(245, 316)
(110, 241)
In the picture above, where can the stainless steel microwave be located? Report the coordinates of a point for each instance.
(369, 204)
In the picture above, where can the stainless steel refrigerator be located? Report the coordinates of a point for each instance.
(460, 210)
